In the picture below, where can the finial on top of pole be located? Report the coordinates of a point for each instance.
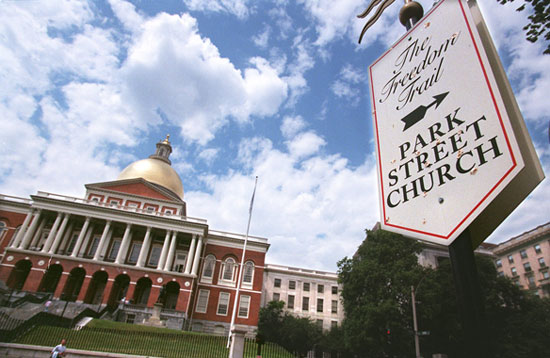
(410, 13)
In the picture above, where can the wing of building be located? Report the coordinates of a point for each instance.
(130, 240)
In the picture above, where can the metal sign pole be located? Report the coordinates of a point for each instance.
(469, 297)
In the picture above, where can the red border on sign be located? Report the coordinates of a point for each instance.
(498, 115)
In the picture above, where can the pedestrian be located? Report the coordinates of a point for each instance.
(47, 305)
(59, 350)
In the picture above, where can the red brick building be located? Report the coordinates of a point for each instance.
(131, 238)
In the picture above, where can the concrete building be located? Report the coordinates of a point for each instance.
(306, 293)
(131, 239)
(525, 259)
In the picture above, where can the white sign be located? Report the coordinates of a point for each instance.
(446, 144)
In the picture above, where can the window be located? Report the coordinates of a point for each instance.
(334, 290)
(514, 272)
(179, 262)
(290, 303)
(320, 288)
(334, 306)
(500, 273)
(114, 202)
(306, 286)
(510, 259)
(223, 304)
(132, 206)
(541, 262)
(150, 209)
(516, 282)
(537, 249)
(168, 212)
(96, 199)
(155, 255)
(208, 268)
(291, 285)
(320, 305)
(498, 263)
(94, 245)
(545, 275)
(248, 274)
(244, 305)
(319, 323)
(333, 324)
(523, 254)
(527, 267)
(71, 245)
(2, 229)
(228, 270)
(277, 282)
(134, 252)
(276, 296)
(202, 301)
(114, 249)
(305, 304)
(531, 280)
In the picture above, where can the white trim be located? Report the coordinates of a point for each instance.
(229, 288)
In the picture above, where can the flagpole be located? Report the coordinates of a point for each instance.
(242, 265)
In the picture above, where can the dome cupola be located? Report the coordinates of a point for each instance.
(156, 169)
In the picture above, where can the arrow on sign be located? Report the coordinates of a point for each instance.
(420, 112)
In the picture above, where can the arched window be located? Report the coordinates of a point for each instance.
(248, 274)
(228, 270)
(208, 268)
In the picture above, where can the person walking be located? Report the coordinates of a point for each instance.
(59, 350)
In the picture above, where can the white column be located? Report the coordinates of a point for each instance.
(30, 232)
(172, 252)
(144, 248)
(52, 233)
(80, 238)
(86, 241)
(66, 238)
(59, 235)
(197, 257)
(190, 255)
(121, 256)
(38, 234)
(22, 230)
(103, 253)
(97, 254)
(164, 251)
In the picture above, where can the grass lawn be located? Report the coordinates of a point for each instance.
(116, 337)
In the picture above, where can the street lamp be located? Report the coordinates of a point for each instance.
(416, 340)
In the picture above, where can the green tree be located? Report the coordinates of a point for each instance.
(295, 334)
(539, 25)
(517, 321)
(376, 295)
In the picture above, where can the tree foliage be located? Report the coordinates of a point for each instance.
(296, 334)
(539, 25)
(376, 295)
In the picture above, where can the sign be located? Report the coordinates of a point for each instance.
(452, 148)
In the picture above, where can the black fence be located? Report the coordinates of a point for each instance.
(156, 344)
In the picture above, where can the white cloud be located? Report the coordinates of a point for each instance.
(209, 154)
(292, 125)
(238, 8)
(262, 39)
(305, 144)
(171, 68)
(346, 85)
(302, 63)
(314, 212)
(127, 14)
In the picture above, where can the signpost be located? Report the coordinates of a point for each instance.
(454, 155)
(453, 150)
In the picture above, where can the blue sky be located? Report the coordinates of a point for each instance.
(277, 89)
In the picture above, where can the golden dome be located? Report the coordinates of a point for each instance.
(155, 171)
